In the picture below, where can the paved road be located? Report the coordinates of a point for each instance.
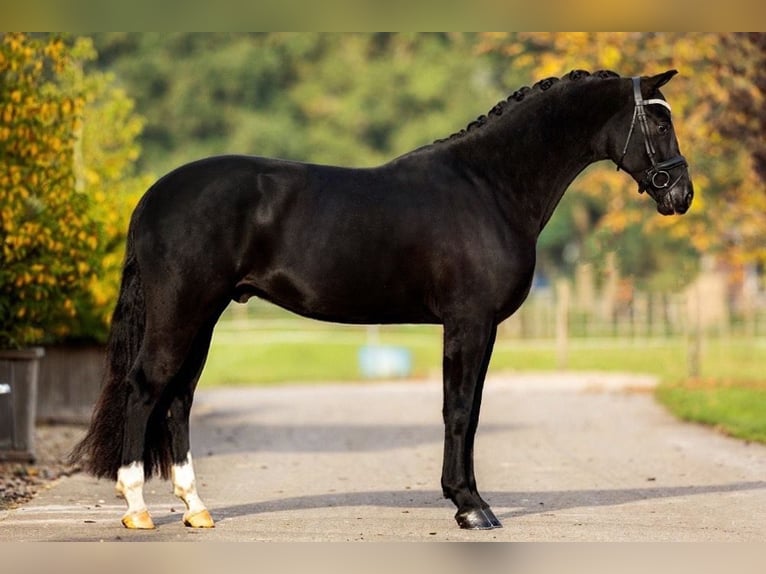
(559, 457)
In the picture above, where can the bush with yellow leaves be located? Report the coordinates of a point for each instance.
(61, 233)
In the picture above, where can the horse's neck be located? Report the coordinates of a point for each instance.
(531, 155)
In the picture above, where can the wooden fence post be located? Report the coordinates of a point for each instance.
(694, 332)
(562, 324)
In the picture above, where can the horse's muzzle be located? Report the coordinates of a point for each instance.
(677, 199)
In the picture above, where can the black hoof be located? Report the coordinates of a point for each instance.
(478, 519)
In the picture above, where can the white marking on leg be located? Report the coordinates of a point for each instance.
(185, 486)
(130, 483)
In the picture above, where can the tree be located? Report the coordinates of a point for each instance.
(745, 117)
(48, 238)
(67, 186)
(355, 99)
(107, 150)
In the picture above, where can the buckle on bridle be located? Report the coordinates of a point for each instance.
(658, 176)
(664, 179)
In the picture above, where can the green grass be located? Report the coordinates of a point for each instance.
(315, 353)
(298, 350)
(738, 409)
(731, 396)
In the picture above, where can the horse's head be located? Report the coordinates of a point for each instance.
(645, 146)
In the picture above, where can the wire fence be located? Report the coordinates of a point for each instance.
(706, 325)
(589, 307)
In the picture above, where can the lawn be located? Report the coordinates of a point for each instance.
(736, 408)
(294, 351)
(302, 350)
(730, 393)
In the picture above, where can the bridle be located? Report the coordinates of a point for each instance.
(658, 176)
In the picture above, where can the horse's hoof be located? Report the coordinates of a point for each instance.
(201, 519)
(138, 520)
(478, 519)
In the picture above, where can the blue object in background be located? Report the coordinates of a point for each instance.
(384, 361)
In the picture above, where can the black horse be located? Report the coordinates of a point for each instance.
(444, 234)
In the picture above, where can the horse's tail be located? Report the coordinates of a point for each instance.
(100, 452)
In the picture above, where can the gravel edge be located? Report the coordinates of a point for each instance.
(20, 482)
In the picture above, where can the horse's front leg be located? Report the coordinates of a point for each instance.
(467, 351)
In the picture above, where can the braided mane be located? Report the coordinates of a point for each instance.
(543, 85)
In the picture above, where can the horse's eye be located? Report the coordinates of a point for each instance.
(663, 128)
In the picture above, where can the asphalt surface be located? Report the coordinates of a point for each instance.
(560, 457)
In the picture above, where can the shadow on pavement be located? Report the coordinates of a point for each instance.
(522, 503)
(236, 438)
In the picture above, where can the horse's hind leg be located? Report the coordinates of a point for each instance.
(161, 364)
(147, 380)
(182, 471)
(130, 485)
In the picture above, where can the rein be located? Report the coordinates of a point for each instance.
(657, 177)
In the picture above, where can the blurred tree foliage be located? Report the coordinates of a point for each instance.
(106, 156)
(67, 153)
(353, 99)
(46, 234)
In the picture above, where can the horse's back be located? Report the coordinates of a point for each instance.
(386, 244)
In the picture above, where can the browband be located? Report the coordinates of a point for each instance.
(658, 101)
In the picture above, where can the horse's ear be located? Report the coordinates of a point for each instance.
(656, 82)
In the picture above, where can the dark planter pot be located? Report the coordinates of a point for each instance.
(70, 381)
(19, 372)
